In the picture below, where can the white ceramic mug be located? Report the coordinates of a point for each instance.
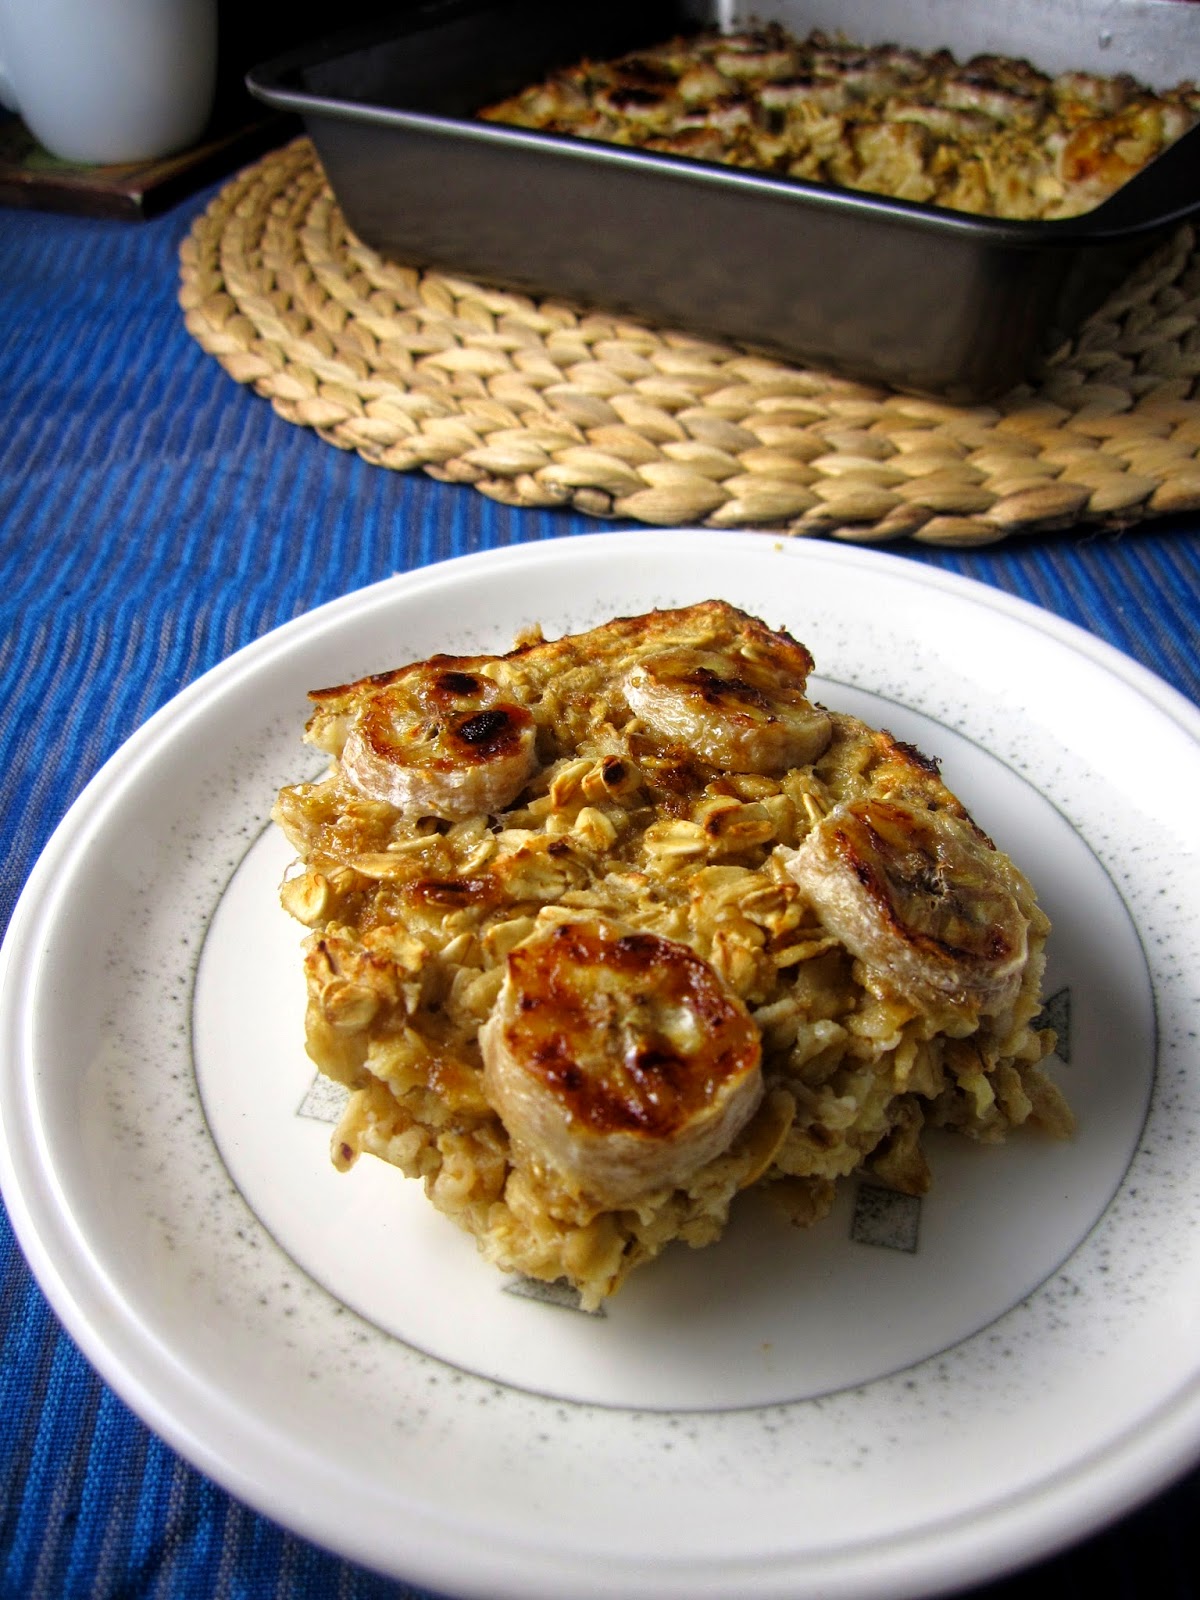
(104, 81)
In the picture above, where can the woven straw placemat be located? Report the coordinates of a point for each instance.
(540, 403)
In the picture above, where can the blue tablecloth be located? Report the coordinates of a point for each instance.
(156, 515)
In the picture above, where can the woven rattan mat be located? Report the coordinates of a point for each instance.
(539, 403)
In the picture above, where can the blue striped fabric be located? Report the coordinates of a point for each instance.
(153, 517)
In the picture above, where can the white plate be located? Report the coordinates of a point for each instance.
(904, 1400)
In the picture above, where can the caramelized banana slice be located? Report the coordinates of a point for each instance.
(921, 897)
(739, 712)
(619, 1061)
(440, 741)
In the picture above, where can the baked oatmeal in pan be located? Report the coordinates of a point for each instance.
(991, 136)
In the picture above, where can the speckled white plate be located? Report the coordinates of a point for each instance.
(904, 1400)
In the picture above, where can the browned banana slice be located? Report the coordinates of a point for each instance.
(738, 712)
(618, 1060)
(441, 741)
(921, 897)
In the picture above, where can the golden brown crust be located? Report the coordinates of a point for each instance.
(920, 894)
(655, 1086)
(618, 1061)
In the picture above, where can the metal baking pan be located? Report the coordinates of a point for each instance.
(914, 296)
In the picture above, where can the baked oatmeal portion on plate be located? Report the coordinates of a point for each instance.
(613, 926)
